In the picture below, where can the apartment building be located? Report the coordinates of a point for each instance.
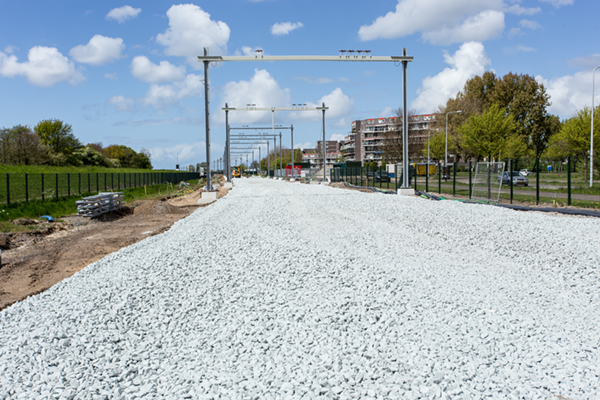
(315, 156)
(367, 139)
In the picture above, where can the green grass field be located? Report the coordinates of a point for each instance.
(63, 206)
(38, 169)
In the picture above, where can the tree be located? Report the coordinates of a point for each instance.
(475, 97)
(526, 100)
(437, 146)
(58, 136)
(486, 135)
(20, 145)
(393, 140)
(573, 139)
(128, 158)
(142, 160)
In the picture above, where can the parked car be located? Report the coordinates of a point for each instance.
(382, 176)
(525, 172)
(517, 179)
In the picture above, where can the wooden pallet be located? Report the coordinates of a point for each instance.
(99, 204)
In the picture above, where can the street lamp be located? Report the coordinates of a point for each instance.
(446, 153)
(592, 132)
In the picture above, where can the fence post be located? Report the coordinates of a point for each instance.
(427, 179)
(105, 183)
(112, 182)
(7, 188)
(537, 181)
(69, 184)
(89, 187)
(43, 196)
(27, 187)
(470, 182)
(511, 180)
(439, 177)
(56, 186)
(454, 178)
(569, 180)
(416, 176)
(97, 182)
(79, 183)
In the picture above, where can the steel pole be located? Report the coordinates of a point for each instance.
(592, 132)
(280, 155)
(259, 160)
(446, 152)
(292, 130)
(324, 147)
(268, 161)
(207, 121)
(227, 146)
(405, 180)
(275, 142)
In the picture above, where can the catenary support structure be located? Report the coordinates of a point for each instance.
(343, 56)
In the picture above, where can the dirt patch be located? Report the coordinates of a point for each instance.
(37, 260)
(340, 185)
(158, 207)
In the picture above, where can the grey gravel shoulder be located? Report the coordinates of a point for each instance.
(283, 290)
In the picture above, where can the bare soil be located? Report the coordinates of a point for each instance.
(34, 261)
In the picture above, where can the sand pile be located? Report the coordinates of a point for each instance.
(157, 207)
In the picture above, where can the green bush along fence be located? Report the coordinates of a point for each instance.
(25, 187)
(550, 181)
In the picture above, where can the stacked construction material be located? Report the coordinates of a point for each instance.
(99, 204)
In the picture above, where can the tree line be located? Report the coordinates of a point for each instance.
(500, 118)
(52, 142)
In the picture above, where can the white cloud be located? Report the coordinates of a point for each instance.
(518, 10)
(190, 31)
(337, 137)
(558, 3)
(161, 96)
(439, 22)
(305, 145)
(122, 14)
(319, 80)
(121, 103)
(10, 49)
(45, 67)
(100, 50)
(339, 104)
(145, 70)
(469, 60)
(586, 62)
(483, 26)
(528, 24)
(525, 49)
(387, 112)
(187, 153)
(283, 28)
(525, 24)
(112, 77)
(246, 51)
(261, 90)
(570, 93)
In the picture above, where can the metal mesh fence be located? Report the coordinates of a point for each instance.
(27, 187)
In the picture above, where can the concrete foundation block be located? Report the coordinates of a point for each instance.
(406, 192)
(207, 198)
(228, 185)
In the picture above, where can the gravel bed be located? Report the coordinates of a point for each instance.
(287, 291)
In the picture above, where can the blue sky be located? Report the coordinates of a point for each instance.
(126, 72)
